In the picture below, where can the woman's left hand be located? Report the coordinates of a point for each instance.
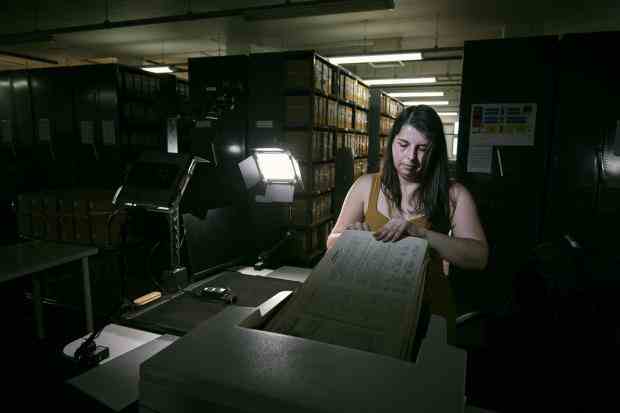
(397, 228)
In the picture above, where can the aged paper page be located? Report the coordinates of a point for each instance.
(363, 294)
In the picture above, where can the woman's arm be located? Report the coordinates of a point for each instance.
(465, 253)
(352, 211)
(467, 248)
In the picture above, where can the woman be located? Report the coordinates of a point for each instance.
(413, 196)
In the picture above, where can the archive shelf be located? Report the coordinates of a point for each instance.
(383, 112)
(330, 105)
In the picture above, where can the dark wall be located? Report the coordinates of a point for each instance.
(75, 127)
(256, 86)
(218, 86)
(511, 206)
(266, 119)
(567, 183)
(586, 170)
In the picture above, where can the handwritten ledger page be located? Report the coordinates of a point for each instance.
(363, 294)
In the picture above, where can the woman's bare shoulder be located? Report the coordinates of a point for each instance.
(363, 184)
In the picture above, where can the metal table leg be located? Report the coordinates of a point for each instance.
(38, 306)
(88, 304)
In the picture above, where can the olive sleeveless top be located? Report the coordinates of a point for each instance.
(437, 292)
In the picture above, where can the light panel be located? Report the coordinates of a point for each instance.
(427, 103)
(402, 81)
(157, 69)
(374, 58)
(416, 94)
(275, 166)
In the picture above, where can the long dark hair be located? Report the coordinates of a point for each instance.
(432, 197)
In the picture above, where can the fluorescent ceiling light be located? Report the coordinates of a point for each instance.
(157, 69)
(402, 81)
(415, 94)
(427, 103)
(372, 58)
(447, 113)
(456, 127)
(316, 8)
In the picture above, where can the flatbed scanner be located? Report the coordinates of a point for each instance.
(227, 364)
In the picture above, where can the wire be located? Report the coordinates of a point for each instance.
(148, 265)
(123, 251)
(109, 225)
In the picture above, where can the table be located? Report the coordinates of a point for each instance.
(32, 257)
(129, 348)
(119, 339)
(120, 372)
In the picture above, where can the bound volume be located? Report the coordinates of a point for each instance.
(363, 294)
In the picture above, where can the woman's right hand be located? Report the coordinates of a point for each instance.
(358, 226)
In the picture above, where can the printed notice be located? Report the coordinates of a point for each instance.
(506, 124)
(479, 159)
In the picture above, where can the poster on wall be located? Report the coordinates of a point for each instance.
(502, 124)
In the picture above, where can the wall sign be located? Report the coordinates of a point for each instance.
(503, 124)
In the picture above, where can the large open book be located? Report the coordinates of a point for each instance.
(363, 294)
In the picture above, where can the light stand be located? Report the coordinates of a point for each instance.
(272, 174)
(156, 183)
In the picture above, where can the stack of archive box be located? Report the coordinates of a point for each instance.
(326, 110)
(384, 110)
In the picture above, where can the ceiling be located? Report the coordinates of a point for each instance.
(412, 25)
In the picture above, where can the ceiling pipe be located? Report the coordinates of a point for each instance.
(105, 25)
(28, 57)
(279, 10)
(423, 51)
(440, 58)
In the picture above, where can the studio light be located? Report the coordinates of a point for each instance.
(272, 173)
